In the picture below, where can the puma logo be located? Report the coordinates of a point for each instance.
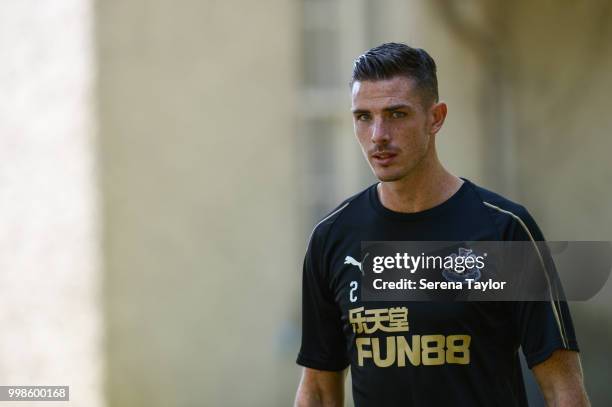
(350, 260)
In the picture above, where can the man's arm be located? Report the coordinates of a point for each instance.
(321, 388)
(560, 379)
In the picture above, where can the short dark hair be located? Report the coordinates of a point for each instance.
(393, 59)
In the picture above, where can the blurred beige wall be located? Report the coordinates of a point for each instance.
(197, 113)
(50, 305)
(563, 81)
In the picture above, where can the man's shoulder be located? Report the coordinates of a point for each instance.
(344, 209)
(497, 203)
(506, 212)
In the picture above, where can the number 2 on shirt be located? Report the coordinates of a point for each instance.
(352, 296)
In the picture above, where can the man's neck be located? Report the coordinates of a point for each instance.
(419, 192)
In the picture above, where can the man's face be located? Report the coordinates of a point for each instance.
(395, 130)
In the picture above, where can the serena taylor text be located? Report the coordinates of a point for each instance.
(424, 284)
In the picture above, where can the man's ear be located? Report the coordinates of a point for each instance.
(437, 113)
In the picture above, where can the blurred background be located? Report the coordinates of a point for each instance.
(163, 163)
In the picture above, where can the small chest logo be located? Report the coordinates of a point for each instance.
(351, 260)
(459, 270)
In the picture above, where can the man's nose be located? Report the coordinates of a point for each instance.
(380, 133)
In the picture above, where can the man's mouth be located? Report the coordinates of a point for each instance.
(383, 157)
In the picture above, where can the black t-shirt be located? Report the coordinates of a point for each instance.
(426, 353)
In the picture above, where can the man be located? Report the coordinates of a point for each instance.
(446, 353)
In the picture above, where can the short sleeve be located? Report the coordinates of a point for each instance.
(542, 326)
(323, 343)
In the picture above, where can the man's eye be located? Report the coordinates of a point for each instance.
(398, 115)
(363, 117)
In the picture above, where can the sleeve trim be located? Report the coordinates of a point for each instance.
(333, 366)
(539, 357)
(554, 302)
